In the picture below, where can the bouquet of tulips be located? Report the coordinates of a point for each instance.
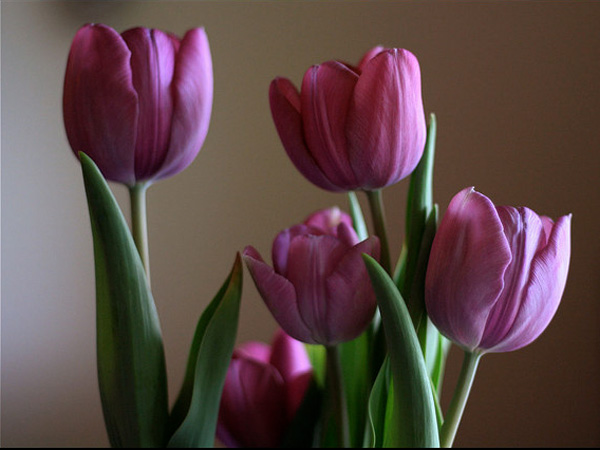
(358, 359)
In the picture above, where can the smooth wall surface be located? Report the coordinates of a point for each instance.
(514, 86)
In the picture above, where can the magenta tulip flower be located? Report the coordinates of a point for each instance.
(318, 289)
(263, 389)
(353, 128)
(139, 103)
(496, 274)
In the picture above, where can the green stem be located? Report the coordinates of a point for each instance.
(459, 399)
(378, 214)
(139, 223)
(336, 397)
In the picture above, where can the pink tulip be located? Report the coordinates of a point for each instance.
(318, 289)
(139, 103)
(263, 389)
(496, 274)
(351, 127)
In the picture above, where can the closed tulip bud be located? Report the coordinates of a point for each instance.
(139, 103)
(353, 128)
(263, 389)
(318, 289)
(496, 274)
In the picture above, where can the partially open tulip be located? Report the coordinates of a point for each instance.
(496, 274)
(138, 103)
(264, 386)
(318, 289)
(353, 127)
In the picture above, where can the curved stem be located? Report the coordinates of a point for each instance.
(336, 396)
(459, 399)
(139, 223)
(378, 214)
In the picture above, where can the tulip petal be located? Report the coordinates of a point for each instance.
(544, 288)
(152, 62)
(466, 268)
(289, 356)
(284, 101)
(524, 233)
(328, 219)
(372, 53)
(312, 259)
(100, 104)
(386, 127)
(325, 98)
(350, 297)
(296, 391)
(278, 294)
(253, 386)
(192, 91)
(256, 350)
(281, 246)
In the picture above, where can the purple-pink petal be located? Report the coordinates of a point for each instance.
(192, 91)
(350, 297)
(312, 259)
(325, 99)
(524, 233)
(278, 294)
(288, 356)
(152, 63)
(253, 386)
(100, 104)
(253, 350)
(465, 274)
(369, 56)
(284, 101)
(386, 127)
(544, 288)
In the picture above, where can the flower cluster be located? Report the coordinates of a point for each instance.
(486, 278)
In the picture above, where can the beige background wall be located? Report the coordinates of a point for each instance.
(515, 89)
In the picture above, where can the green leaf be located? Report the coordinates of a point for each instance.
(195, 413)
(414, 414)
(131, 363)
(356, 369)
(378, 407)
(418, 208)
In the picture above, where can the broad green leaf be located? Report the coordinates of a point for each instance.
(414, 415)
(196, 410)
(131, 362)
(418, 208)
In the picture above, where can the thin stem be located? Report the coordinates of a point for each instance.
(139, 223)
(378, 214)
(337, 400)
(459, 399)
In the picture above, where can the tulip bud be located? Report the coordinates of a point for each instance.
(351, 127)
(139, 103)
(318, 289)
(496, 274)
(263, 390)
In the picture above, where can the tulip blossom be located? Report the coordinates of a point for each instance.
(318, 289)
(353, 127)
(138, 103)
(496, 274)
(263, 389)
